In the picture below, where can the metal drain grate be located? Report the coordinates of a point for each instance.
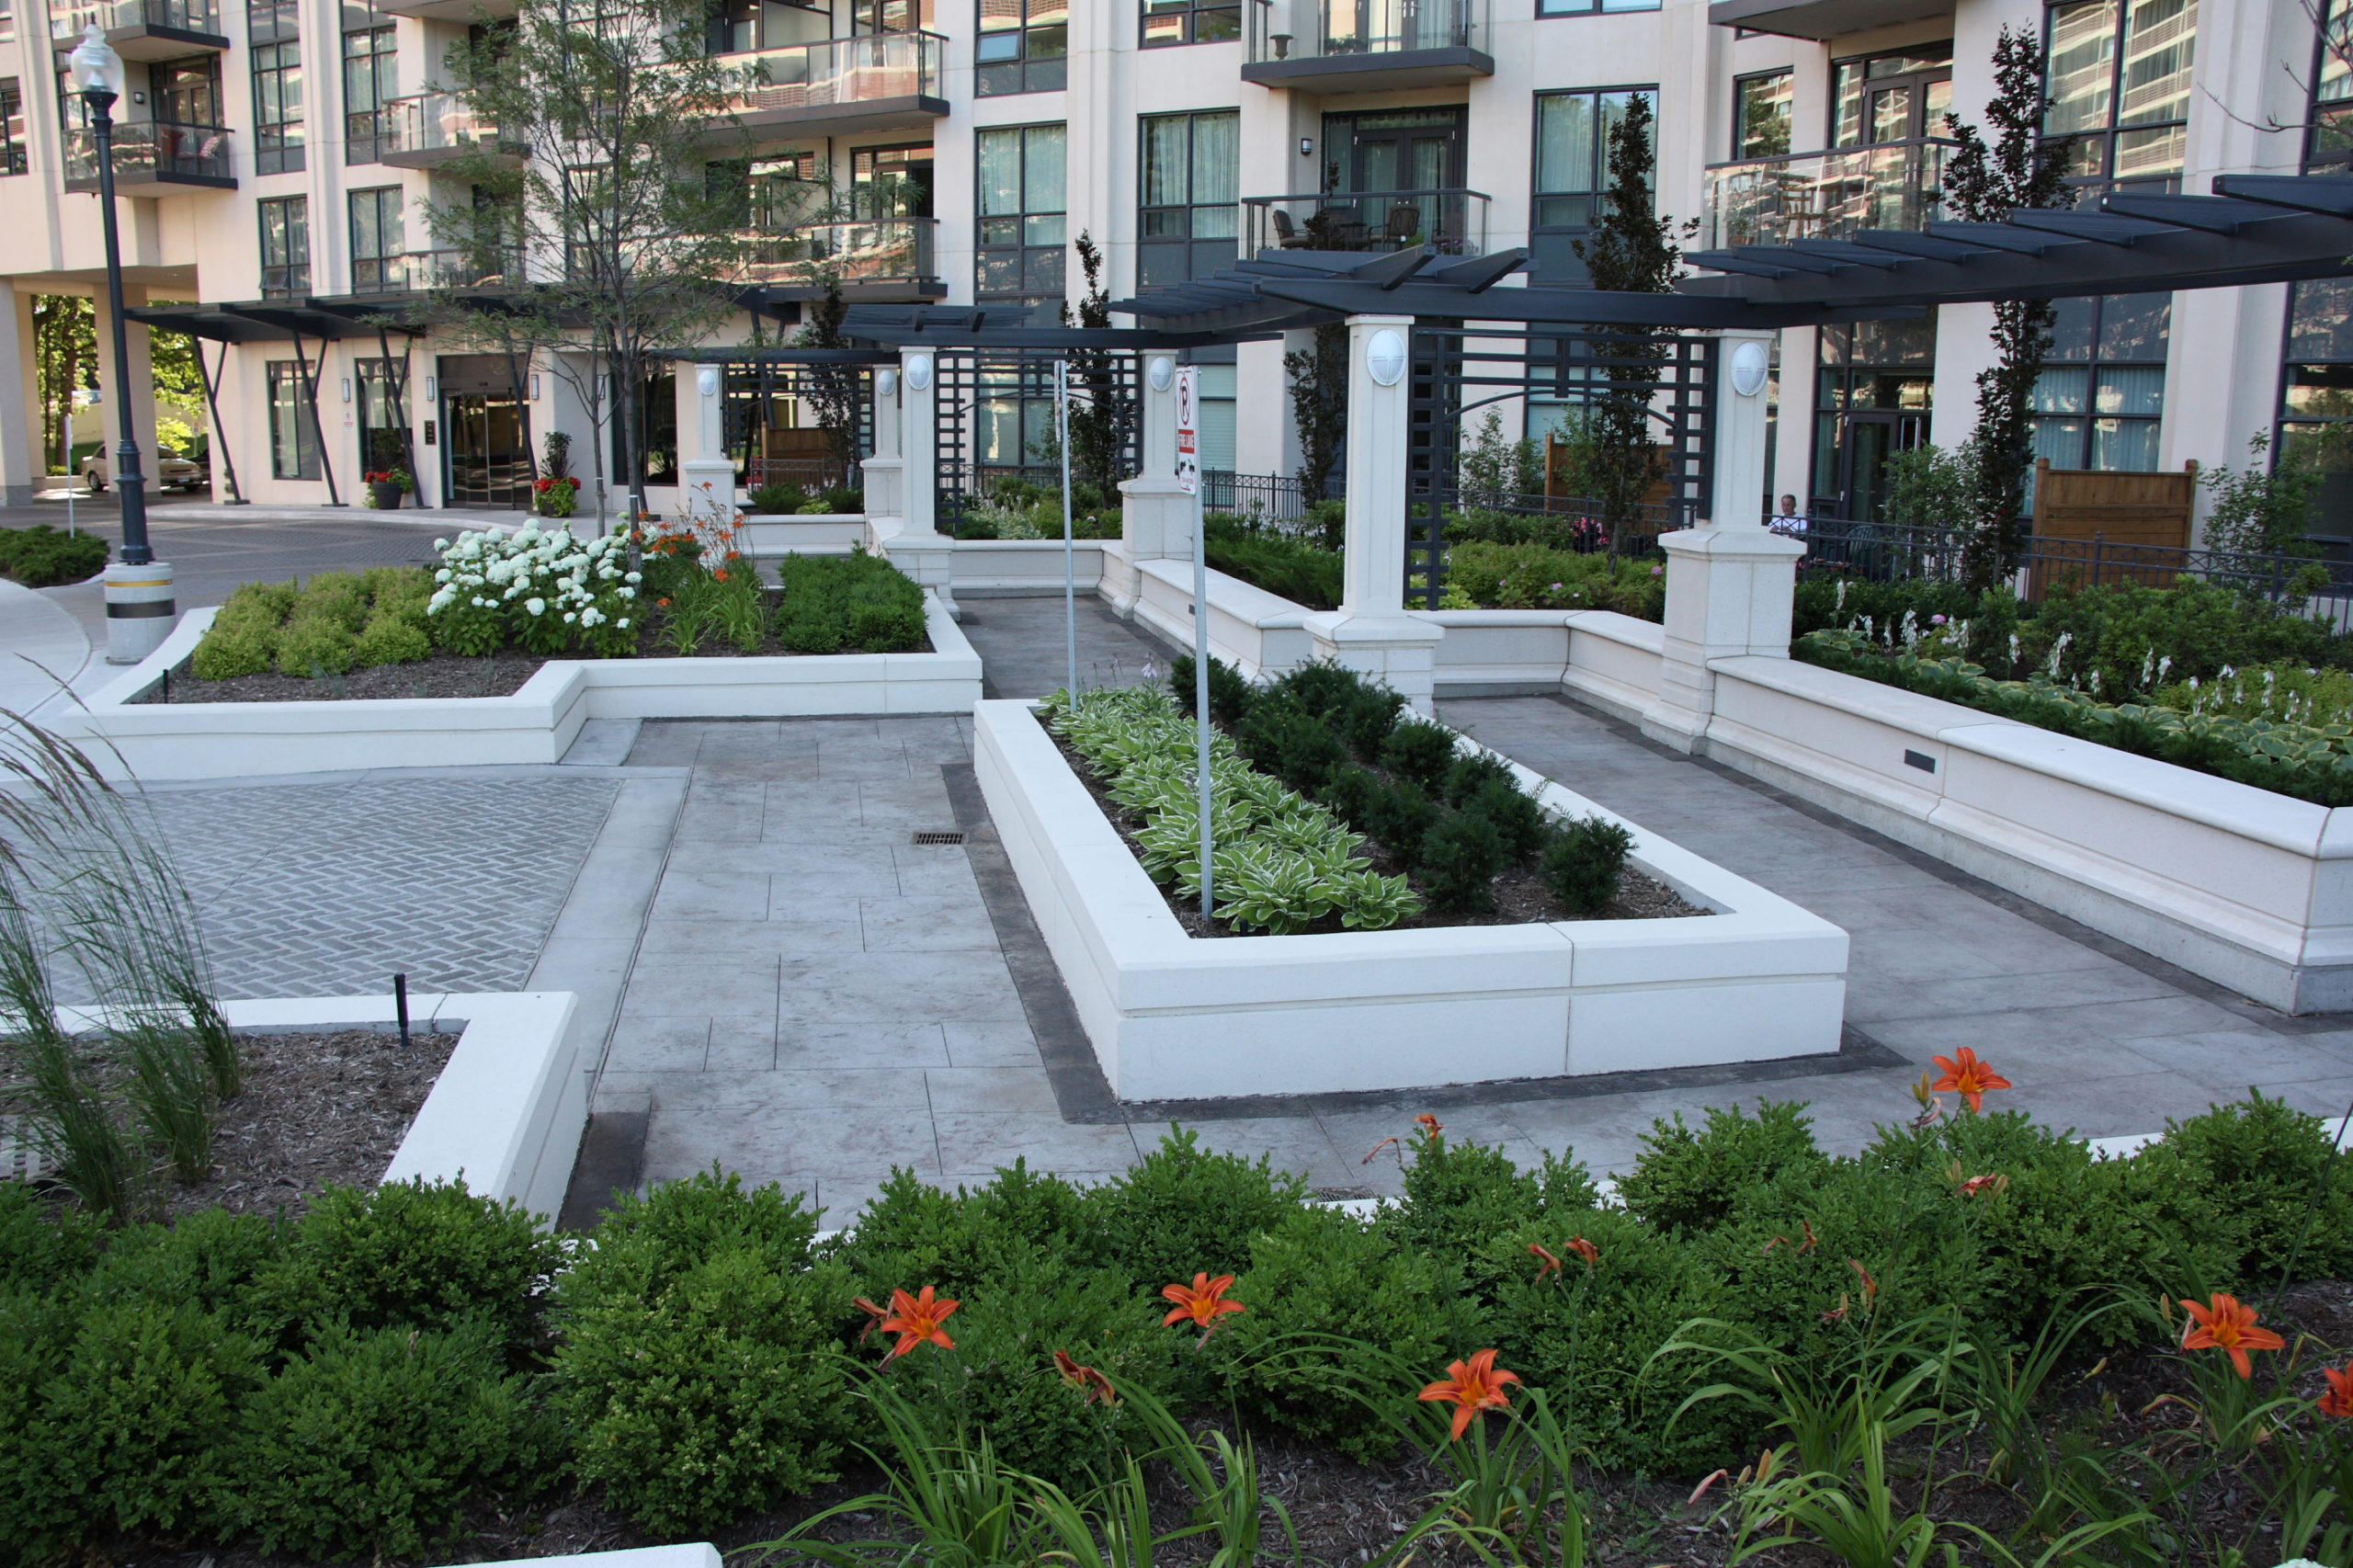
(940, 838)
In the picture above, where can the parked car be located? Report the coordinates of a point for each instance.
(165, 472)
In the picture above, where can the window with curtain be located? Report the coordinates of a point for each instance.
(1023, 47)
(369, 82)
(285, 247)
(1572, 172)
(378, 264)
(293, 425)
(1189, 223)
(1760, 114)
(2316, 401)
(1167, 22)
(1218, 401)
(2119, 80)
(1022, 231)
(2100, 401)
(13, 157)
(277, 107)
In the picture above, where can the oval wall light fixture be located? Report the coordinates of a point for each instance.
(1384, 358)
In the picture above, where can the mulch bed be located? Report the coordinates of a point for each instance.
(1522, 897)
(317, 1110)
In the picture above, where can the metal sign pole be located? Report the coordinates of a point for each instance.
(1189, 479)
(1070, 551)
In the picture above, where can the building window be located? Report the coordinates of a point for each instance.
(739, 27)
(1875, 388)
(293, 424)
(1022, 232)
(2332, 116)
(1760, 114)
(1572, 170)
(187, 92)
(1169, 22)
(277, 107)
(1880, 98)
(1591, 8)
(2101, 400)
(2317, 402)
(369, 82)
(13, 160)
(889, 182)
(2120, 87)
(8, 20)
(378, 264)
(1218, 404)
(1024, 47)
(888, 15)
(285, 247)
(1192, 172)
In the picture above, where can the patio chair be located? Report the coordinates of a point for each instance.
(1404, 223)
(1287, 234)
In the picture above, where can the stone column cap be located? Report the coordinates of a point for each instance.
(1737, 541)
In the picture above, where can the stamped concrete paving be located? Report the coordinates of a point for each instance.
(818, 998)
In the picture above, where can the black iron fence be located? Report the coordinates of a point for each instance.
(1276, 501)
(1886, 552)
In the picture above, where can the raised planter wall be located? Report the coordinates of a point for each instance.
(535, 724)
(1176, 1018)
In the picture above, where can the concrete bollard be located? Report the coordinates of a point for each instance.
(140, 609)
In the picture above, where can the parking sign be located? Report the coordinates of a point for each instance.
(1188, 429)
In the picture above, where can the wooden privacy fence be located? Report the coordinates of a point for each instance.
(2095, 525)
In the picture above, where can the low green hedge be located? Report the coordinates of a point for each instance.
(361, 1381)
(1303, 572)
(42, 557)
(330, 625)
(847, 602)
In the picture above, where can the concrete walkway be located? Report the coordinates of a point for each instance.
(42, 649)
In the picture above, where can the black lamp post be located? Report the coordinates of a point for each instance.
(97, 77)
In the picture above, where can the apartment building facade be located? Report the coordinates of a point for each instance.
(278, 155)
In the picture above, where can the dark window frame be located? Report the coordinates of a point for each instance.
(1029, 68)
(2094, 362)
(1187, 243)
(284, 382)
(293, 229)
(1024, 252)
(2328, 139)
(2331, 426)
(1547, 9)
(1550, 241)
(16, 157)
(1928, 75)
(2091, 182)
(1740, 84)
(1187, 14)
(367, 129)
(279, 141)
(368, 274)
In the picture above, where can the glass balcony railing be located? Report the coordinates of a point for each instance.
(1825, 195)
(414, 272)
(1454, 221)
(887, 250)
(185, 16)
(842, 71)
(434, 123)
(1340, 30)
(150, 152)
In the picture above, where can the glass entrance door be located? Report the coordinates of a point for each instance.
(488, 463)
(1872, 437)
(1401, 160)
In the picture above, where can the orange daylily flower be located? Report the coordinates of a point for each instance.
(1203, 1302)
(1967, 1075)
(874, 1316)
(1472, 1387)
(1978, 1184)
(1870, 1285)
(1586, 1250)
(1431, 1125)
(1092, 1385)
(1812, 1240)
(2225, 1324)
(1550, 1265)
(2338, 1400)
(915, 1319)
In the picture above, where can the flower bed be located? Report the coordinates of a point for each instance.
(1967, 1331)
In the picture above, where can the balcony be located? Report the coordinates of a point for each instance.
(448, 10)
(415, 272)
(886, 81)
(1451, 221)
(1825, 195)
(143, 30)
(1822, 20)
(153, 157)
(427, 131)
(889, 258)
(1367, 46)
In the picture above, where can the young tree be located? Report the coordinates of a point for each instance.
(831, 391)
(1319, 407)
(1984, 184)
(65, 349)
(1633, 251)
(617, 114)
(1102, 416)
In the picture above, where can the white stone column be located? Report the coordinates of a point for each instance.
(20, 460)
(703, 445)
(1155, 517)
(885, 469)
(1371, 631)
(1730, 582)
(918, 547)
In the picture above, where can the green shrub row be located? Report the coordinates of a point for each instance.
(330, 625)
(856, 602)
(1460, 820)
(42, 557)
(782, 497)
(1284, 565)
(357, 1382)
(2306, 762)
(1493, 575)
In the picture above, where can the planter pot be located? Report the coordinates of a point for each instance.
(387, 494)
